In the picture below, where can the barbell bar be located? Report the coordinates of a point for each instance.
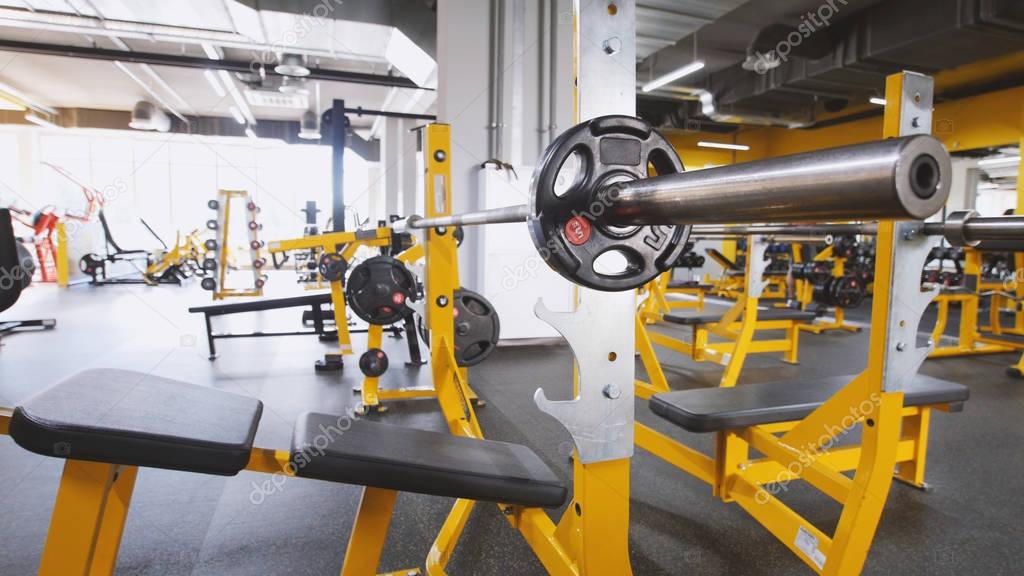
(593, 194)
(961, 228)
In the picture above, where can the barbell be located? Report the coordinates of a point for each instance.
(615, 185)
(961, 228)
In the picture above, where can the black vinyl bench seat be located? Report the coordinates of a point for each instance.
(316, 303)
(134, 419)
(769, 315)
(716, 409)
(225, 308)
(365, 453)
(675, 284)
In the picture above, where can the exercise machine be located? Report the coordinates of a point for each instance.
(16, 271)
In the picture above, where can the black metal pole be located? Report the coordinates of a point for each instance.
(339, 129)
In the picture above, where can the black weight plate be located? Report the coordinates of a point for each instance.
(373, 362)
(332, 267)
(567, 213)
(378, 289)
(477, 328)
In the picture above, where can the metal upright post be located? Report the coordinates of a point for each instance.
(600, 419)
(339, 136)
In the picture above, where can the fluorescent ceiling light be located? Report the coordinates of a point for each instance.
(225, 78)
(673, 76)
(1004, 161)
(250, 133)
(237, 114)
(8, 104)
(212, 52)
(292, 65)
(723, 145)
(877, 100)
(410, 59)
(39, 120)
(988, 186)
(214, 83)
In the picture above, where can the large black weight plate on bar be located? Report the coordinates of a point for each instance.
(477, 328)
(378, 288)
(572, 189)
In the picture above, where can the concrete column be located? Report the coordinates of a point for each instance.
(410, 194)
(390, 165)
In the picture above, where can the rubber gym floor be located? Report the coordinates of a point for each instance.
(195, 524)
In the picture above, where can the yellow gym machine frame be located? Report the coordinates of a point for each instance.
(346, 244)
(737, 326)
(656, 302)
(799, 449)
(805, 294)
(189, 248)
(731, 284)
(970, 340)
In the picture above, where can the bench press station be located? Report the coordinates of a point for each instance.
(211, 432)
(738, 325)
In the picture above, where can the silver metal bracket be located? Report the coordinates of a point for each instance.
(903, 358)
(600, 417)
(756, 283)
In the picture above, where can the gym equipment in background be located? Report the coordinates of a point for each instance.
(16, 271)
(219, 259)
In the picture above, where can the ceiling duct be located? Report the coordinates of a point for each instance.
(416, 19)
(147, 116)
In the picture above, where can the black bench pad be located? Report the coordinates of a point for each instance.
(714, 409)
(338, 449)
(770, 314)
(266, 304)
(130, 418)
(674, 284)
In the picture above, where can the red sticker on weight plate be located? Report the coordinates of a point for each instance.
(577, 230)
(398, 298)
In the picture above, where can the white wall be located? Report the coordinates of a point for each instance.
(501, 261)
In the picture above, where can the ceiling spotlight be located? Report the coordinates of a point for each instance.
(290, 85)
(292, 65)
(309, 127)
(761, 62)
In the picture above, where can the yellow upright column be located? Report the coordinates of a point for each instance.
(63, 273)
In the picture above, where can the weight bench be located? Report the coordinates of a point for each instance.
(743, 416)
(769, 315)
(731, 326)
(716, 409)
(108, 423)
(767, 435)
(315, 302)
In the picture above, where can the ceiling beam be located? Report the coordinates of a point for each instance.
(182, 61)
